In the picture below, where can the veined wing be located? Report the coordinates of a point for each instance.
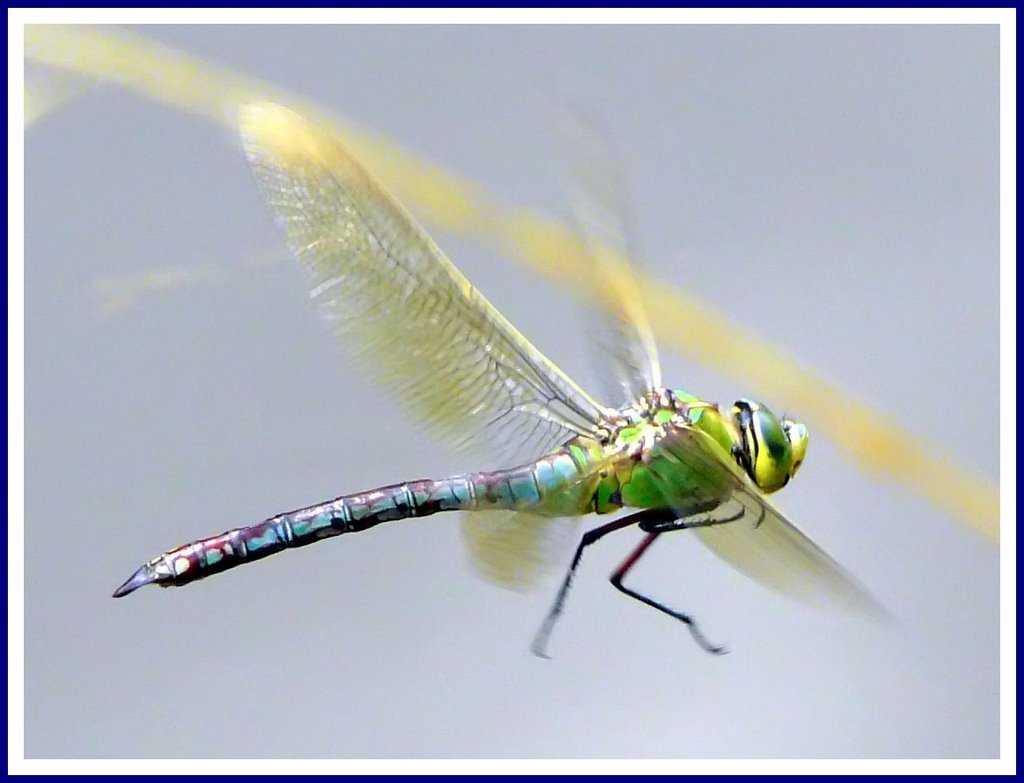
(406, 312)
(514, 549)
(746, 531)
(628, 364)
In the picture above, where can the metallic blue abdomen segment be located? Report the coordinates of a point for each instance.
(524, 487)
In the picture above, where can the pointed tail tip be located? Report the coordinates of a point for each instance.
(122, 591)
(142, 577)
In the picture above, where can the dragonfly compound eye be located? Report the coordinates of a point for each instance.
(767, 449)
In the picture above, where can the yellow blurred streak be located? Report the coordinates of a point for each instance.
(872, 438)
(44, 94)
(120, 292)
(117, 293)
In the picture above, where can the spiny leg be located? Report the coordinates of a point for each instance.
(620, 573)
(540, 640)
(698, 516)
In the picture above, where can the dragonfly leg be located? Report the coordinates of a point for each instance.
(540, 641)
(667, 524)
(620, 573)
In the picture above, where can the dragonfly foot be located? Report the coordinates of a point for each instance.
(540, 644)
(704, 644)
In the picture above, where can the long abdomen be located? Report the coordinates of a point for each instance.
(547, 486)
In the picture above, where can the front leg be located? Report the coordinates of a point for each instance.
(667, 521)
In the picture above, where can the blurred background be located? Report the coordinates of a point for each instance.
(833, 188)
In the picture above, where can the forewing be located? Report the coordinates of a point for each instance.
(404, 310)
(746, 531)
(628, 362)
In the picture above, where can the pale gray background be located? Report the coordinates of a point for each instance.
(833, 188)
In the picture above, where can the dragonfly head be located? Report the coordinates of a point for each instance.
(771, 449)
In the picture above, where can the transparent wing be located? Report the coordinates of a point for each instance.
(403, 308)
(627, 364)
(516, 550)
(745, 530)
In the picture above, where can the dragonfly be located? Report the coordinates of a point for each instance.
(662, 461)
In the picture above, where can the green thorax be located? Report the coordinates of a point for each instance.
(625, 479)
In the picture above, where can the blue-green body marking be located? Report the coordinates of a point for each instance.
(585, 476)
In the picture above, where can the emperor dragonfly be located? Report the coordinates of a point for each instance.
(675, 461)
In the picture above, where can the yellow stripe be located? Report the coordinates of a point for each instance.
(870, 437)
